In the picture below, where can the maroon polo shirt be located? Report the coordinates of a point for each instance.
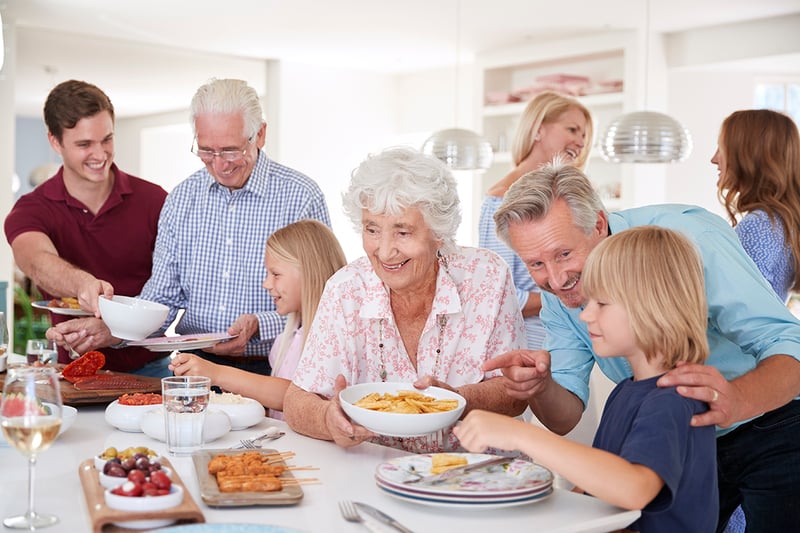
(115, 245)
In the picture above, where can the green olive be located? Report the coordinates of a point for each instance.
(109, 453)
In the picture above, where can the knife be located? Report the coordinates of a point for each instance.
(453, 472)
(381, 516)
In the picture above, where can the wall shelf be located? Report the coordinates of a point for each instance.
(521, 70)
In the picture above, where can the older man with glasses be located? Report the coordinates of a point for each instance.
(209, 253)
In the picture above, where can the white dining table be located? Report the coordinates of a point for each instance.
(343, 474)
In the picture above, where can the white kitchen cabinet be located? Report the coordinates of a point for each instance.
(601, 59)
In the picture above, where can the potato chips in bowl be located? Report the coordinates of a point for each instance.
(400, 410)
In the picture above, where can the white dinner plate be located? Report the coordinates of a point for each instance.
(182, 342)
(516, 478)
(60, 310)
(464, 497)
(494, 504)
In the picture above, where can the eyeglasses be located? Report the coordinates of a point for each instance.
(231, 156)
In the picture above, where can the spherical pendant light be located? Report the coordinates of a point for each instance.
(646, 137)
(460, 149)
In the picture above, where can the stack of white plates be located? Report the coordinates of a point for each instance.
(516, 482)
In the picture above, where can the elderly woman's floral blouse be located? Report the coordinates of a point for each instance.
(475, 316)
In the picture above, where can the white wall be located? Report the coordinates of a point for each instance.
(713, 72)
(329, 120)
(702, 100)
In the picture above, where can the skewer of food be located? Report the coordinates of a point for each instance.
(254, 472)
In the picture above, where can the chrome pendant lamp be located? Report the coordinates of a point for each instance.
(646, 136)
(460, 149)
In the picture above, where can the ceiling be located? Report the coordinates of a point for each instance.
(150, 55)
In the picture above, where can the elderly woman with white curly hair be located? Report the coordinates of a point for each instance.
(417, 309)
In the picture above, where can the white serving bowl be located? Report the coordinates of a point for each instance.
(216, 424)
(145, 504)
(127, 417)
(110, 482)
(246, 413)
(68, 416)
(132, 318)
(399, 424)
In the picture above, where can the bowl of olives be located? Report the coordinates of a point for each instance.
(138, 468)
(101, 459)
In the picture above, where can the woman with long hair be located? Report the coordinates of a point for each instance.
(758, 158)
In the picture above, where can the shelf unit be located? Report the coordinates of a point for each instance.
(600, 58)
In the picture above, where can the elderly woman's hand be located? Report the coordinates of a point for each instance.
(343, 432)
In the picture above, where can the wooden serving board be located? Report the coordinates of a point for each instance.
(72, 396)
(103, 517)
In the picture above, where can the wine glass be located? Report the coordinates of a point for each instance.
(30, 415)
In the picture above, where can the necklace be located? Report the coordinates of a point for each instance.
(442, 321)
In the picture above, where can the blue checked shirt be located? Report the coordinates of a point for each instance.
(209, 253)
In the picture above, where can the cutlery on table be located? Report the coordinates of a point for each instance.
(453, 472)
(381, 516)
(351, 514)
(271, 434)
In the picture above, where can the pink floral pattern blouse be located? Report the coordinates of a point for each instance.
(475, 316)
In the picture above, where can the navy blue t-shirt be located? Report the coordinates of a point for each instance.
(649, 425)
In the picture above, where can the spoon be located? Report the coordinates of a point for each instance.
(72, 353)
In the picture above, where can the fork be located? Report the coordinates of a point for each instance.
(72, 353)
(351, 514)
(271, 434)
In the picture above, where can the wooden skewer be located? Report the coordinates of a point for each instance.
(300, 481)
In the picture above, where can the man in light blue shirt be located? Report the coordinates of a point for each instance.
(213, 228)
(553, 218)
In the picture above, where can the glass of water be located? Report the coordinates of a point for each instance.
(185, 401)
(41, 351)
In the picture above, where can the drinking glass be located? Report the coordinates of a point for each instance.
(185, 400)
(30, 415)
(41, 350)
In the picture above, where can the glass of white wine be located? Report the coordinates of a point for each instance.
(30, 415)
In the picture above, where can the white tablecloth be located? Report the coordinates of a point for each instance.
(344, 474)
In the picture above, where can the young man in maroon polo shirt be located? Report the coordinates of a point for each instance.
(90, 229)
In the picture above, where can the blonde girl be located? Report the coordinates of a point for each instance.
(299, 259)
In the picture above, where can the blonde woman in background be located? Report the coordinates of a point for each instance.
(299, 259)
(551, 125)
